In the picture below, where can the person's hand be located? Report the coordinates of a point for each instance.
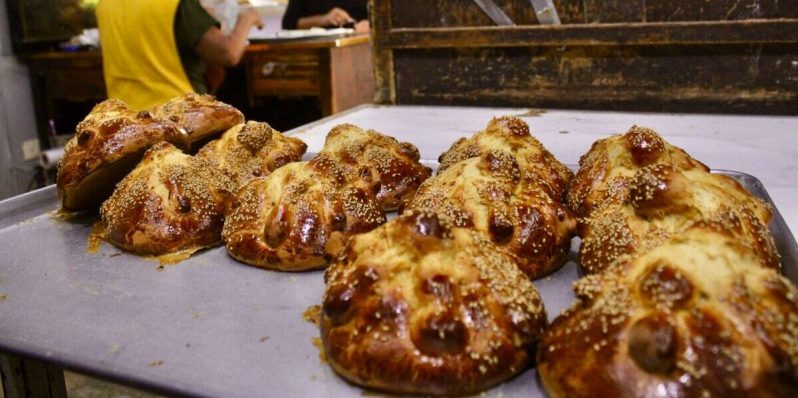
(251, 16)
(362, 26)
(336, 17)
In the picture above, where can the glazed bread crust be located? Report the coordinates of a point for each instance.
(663, 201)
(491, 195)
(202, 116)
(170, 202)
(252, 150)
(697, 316)
(108, 144)
(606, 170)
(299, 217)
(511, 134)
(387, 167)
(420, 307)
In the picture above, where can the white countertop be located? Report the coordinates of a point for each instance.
(763, 146)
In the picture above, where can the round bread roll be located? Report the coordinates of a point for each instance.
(387, 167)
(695, 317)
(107, 145)
(251, 150)
(491, 195)
(664, 201)
(202, 116)
(299, 217)
(511, 134)
(607, 168)
(418, 307)
(170, 202)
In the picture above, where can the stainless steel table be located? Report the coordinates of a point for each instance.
(210, 326)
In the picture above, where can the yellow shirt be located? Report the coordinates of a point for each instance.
(141, 64)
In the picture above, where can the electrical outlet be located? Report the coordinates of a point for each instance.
(31, 149)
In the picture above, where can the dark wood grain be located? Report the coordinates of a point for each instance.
(719, 32)
(605, 11)
(719, 10)
(727, 78)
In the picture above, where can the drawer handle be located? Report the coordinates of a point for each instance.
(268, 68)
(272, 68)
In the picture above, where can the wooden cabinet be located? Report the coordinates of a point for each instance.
(676, 55)
(66, 85)
(337, 70)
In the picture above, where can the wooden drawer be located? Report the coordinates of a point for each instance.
(289, 73)
(76, 84)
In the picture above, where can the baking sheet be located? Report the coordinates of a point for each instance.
(208, 326)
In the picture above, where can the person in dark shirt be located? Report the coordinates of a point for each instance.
(305, 14)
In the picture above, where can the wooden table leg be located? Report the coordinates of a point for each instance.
(29, 378)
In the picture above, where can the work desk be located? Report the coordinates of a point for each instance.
(337, 70)
(210, 326)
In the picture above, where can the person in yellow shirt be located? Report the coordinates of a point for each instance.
(154, 50)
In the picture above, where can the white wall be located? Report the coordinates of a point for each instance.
(17, 120)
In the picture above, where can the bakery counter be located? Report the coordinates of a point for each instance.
(210, 326)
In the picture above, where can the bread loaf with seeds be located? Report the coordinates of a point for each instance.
(663, 201)
(299, 217)
(201, 116)
(107, 145)
(170, 202)
(252, 150)
(418, 306)
(697, 316)
(388, 168)
(606, 170)
(511, 135)
(491, 195)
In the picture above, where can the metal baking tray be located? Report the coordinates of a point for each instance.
(208, 326)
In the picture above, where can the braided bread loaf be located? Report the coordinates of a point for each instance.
(300, 217)
(418, 306)
(607, 168)
(251, 150)
(382, 165)
(201, 116)
(170, 202)
(663, 201)
(491, 195)
(697, 316)
(109, 143)
(511, 134)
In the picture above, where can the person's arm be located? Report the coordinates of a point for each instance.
(334, 17)
(216, 48)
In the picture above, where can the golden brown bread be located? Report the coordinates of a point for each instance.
(202, 116)
(108, 143)
(251, 150)
(299, 217)
(491, 195)
(695, 317)
(170, 202)
(387, 167)
(511, 134)
(420, 307)
(664, 201)
(607, 168)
